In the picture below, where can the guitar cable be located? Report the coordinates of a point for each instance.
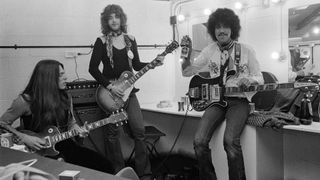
(175, 141)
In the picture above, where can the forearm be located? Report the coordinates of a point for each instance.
(186, 60)
(185, 63)
(96, 58)
(98, 76)
(11, 129)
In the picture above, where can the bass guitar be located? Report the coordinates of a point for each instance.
(204, 93)
(52, 136)
(110, 102)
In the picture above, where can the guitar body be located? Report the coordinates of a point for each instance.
(204, 93)
(46, 134)
(51, 134)
(110, 102)
(201, 95)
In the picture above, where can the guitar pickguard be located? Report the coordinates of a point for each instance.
(202, 93)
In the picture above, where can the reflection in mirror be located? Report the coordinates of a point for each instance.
(304, 39)
(201, 39)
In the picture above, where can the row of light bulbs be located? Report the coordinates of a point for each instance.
(237, 5)
(240, 6)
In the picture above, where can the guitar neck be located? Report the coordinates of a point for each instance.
(145, 69)
(264, 87)
(72, 133)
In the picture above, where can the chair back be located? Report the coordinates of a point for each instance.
(128, 173)
(264, 100)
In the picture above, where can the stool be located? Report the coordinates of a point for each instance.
(152, 136)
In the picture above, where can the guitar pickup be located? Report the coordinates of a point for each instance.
(47, 142)
(205, 91)
(215, 92)
(194, 92)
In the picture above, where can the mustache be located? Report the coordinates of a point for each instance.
(222, 33)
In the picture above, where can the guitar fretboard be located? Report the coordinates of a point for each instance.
(145, 69)
(263, 87)
(72, 133)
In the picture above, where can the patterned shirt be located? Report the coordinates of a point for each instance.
(209, 60)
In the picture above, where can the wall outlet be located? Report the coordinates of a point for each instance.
(70, 54)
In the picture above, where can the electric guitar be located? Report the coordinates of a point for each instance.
(110, 102)
(204, 93)
(52, 136)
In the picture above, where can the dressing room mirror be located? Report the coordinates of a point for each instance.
(304, 39)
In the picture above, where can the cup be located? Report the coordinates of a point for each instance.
(180, 106)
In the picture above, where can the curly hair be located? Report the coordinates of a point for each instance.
(227, 18)
(105, 15)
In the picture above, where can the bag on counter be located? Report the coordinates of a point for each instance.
(272, 119)
(315, 99)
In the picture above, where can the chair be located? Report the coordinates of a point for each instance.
(152, 136)
(264, 100)
(128, 173)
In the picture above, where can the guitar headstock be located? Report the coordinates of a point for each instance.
(118, 117)
(306, 86)
(171, 47)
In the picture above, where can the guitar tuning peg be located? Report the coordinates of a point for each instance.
(117, 124)
(121, 123)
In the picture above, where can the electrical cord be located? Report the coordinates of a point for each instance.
(80, 54)
(76, 65)
(175, 141)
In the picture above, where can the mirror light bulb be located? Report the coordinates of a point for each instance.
(316, 30)
(238, 5)
(275, 1)
(181, 17)
(275, 55)
(207, 12)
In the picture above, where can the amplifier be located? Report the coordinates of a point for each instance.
(89, 114)
(82, 92)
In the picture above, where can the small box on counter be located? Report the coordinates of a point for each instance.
(6, 140)
(69, 175)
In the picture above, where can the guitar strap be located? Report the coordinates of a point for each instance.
(224, 66)
(222, 69)
(237, 55)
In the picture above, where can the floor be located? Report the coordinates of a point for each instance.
(173, 167)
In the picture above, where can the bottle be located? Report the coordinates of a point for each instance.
(306, 116)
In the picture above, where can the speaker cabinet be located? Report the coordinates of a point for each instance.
(90, 114)
(83, 93)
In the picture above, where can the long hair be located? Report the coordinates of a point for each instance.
(227, 18)
(48, 103)
(105, 15)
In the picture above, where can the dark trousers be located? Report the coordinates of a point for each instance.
(135, 128)
(78, 155)
(236, 114)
